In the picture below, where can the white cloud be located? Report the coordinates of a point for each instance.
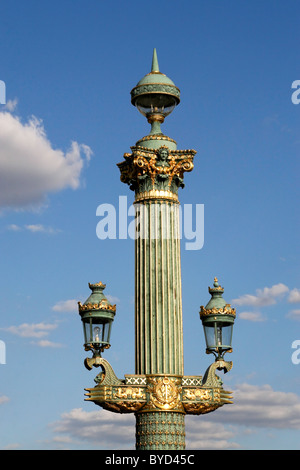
(294, 314)
(66, 306)
(30, 167)
(33, 330)
(261, 406)
(251, 316)
(62, 440)
(294, 296)
(45, 343)
(204, 435)
(14, 227)
(11, 105)
(3, 399)
(33, 228)
(265, 296)
(102, 428)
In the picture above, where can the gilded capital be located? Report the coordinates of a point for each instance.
(156, 170)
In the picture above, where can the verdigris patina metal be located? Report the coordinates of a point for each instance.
(159, 393)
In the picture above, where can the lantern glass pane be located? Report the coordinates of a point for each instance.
(96, 331)
(106, 330)
(155, 104)
(209, 331)
(218, 335)
(87, 331)
(225, 337)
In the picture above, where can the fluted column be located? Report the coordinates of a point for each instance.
(158, 302)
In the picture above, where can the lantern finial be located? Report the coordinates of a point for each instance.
(155, 67)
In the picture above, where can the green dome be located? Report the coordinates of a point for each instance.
(155, 82)
(156, 78)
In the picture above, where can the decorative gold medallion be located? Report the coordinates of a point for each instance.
(165, 394)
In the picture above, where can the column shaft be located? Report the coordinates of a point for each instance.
(158, 304)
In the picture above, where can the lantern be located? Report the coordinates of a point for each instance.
(217, 320)
(155, 96)
(97, 315)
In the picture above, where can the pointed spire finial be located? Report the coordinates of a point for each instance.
(155, 67)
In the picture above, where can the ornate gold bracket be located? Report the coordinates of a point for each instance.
(161, 392)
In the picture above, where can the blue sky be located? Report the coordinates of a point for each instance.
(68, 68)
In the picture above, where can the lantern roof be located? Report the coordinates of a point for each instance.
(216, 304)
(97, 300)
(216, 292)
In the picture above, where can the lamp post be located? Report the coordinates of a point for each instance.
(158, 393)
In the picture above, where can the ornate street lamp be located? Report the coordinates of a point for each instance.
(97, 315)
(217, 320)
(159, 394)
